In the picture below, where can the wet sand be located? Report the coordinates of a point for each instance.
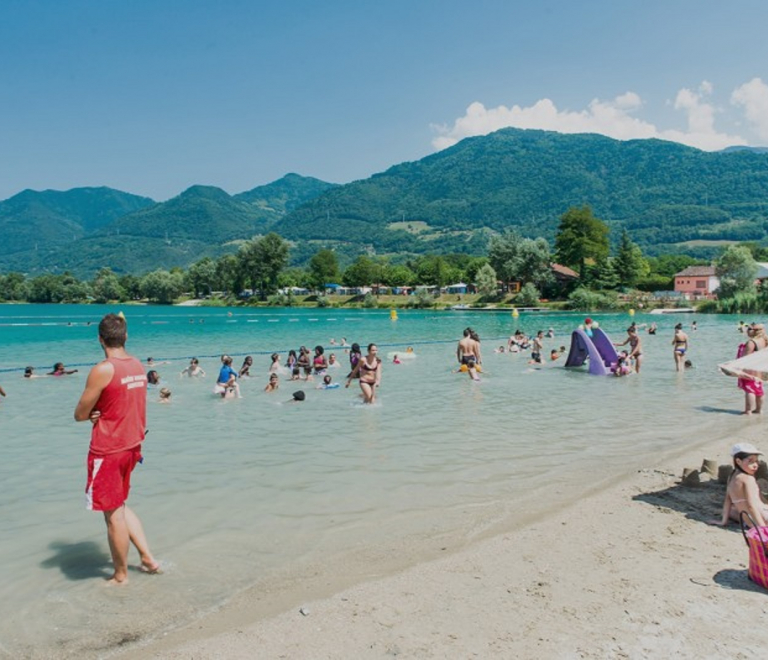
(632, 571)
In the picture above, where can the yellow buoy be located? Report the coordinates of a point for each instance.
(515, 313)
(631, 312)
(393, 314)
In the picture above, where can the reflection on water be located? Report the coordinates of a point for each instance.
(239, 492)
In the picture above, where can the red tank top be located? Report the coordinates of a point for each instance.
(123, 407)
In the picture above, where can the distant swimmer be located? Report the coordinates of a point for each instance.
(151, 362)
(60, 370)
(245, 370)
(193, 370)
(165, 395)
(275, 367)
(679, 347)
(327, 384)
(368, 371)
(468, 353)
(226, 384)
(319, 362)
(333, 363)
(29, 372)
(153, 378)
(273, 384)
(298, 397)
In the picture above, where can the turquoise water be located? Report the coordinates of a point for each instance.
(256, 493)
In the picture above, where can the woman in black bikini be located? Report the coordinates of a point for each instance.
(368, 370)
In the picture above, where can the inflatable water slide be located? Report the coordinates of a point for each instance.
(595, 346)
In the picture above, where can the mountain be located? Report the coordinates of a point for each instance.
(286, 194)
(42, 220)
(669, 196)
(201, 221)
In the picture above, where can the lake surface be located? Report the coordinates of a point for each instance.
(257, 493)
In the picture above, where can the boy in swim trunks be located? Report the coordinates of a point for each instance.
(115, 402)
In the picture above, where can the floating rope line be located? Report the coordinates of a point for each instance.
(425, 342)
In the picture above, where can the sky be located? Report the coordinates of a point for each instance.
(153, 96)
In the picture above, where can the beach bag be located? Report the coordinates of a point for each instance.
(757, 541)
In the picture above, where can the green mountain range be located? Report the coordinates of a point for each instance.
(670, 197)
(667, 195)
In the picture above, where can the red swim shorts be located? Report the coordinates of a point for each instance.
(109, 479)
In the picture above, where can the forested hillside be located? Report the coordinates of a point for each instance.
(663, 192)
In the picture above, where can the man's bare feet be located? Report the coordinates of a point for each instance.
(115, 582)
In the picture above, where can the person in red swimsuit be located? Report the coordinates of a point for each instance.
(115, 402)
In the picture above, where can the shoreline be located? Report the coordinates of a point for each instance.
(631, 570)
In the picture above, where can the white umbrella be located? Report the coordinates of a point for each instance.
(753, 366)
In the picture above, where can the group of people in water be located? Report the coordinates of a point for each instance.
(300, 365)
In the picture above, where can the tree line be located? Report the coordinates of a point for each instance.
(261, 265)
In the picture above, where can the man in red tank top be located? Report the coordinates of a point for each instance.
(115, 401)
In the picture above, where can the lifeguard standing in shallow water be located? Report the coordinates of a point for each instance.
(115, 402)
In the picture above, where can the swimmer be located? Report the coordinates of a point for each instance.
(468, 353)
(538, 347)
(622, 366)
(273, 384)
(500, 349)
(327, 384)
(652, 329)
(554, 355)
(368, 370)
(165, 395)
(245, 370)
(193, 370)
(551, 333)
(679, 347)
(153, 378)
(275, 367)
(688, 364)
(60, 370)
(694, 326)
(29, 372)
(319, 362)
(743, 493)
(633, 339)
(151, 362)
(226, 383)
(298, 397)
(333, 363)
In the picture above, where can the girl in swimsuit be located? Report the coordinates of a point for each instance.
(319, 363)
(368, 370)
(743, 493)
(680, 346)
(753, 389)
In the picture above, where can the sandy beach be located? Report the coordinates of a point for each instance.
(633, 571)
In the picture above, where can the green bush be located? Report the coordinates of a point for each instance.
(370, 301)
(529, 295)
(584, 300)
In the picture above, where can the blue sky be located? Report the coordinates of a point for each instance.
(151, 97)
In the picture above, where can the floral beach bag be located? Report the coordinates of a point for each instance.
(757, 540)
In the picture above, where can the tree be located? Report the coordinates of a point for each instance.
(162, 286)
(486, 281)
(361, 272)
(529, 295)
(323, 268)
(603, 274)
(13, 287)
(399, 275)
(201, 276)
(106, 286)
(629, 264)
(230, 276)
(736, 269)
(518, 259)
(262, 260)
(581, 237)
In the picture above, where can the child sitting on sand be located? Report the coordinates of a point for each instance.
(742, 493)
